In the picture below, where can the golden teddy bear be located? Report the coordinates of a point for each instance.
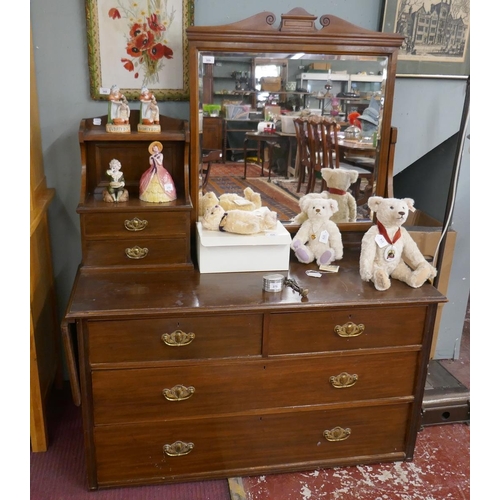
(388, 250)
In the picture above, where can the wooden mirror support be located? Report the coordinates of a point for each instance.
(296, 32)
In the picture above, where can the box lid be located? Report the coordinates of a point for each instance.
(280, 236)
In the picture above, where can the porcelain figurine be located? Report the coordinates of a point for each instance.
(149, 120)
(115, 191)
(118, 112)
(156, 184)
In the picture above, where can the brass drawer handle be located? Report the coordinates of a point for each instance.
(177, 338)
(178, 393)
(343, 380)
(337, 434)
(135, 224)
(136, 252)
(349, 329)
(177, 449)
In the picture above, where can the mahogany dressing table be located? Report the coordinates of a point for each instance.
(184, 376)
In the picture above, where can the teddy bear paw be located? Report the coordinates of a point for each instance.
(381, 280)
(326, 257)
(422, 273)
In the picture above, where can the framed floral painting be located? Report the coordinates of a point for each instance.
(134, 44)
(437, 37)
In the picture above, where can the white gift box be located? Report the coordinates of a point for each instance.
(220, 252)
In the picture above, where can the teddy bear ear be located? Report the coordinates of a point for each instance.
(374, 202)
(354, 176)
(334, 205)
(409, 202)
(325, 173)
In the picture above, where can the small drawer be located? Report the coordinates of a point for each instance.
(137, 224)
(152, 394)
(135, 252)
(175, 338)
(190, 448)
(354, 328)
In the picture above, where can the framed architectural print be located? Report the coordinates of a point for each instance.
(136, 44)
(436, 35)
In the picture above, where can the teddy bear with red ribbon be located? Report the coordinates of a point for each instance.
(388, 250)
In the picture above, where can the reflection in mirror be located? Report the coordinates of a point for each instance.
(249, 106)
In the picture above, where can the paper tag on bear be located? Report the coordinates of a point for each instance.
(323, 237)
(380, 241)
(241, 203)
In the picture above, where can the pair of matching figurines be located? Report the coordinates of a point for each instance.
(387, 249)
(156, 184)
(119, 112)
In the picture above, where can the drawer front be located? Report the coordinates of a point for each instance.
(135, 252)
(122, 396)
(138, 225)
(348, 329)
(137, 453)
(174, 338)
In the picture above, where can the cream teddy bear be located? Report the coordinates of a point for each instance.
(239, 221)
(338, 181)
(318, 237)
(388, 250)
(230, 201)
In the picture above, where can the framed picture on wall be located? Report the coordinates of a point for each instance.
(436, 32)
(134, 44)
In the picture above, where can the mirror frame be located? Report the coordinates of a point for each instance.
(296, 32)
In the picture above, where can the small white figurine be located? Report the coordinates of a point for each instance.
(114, 101)
(118, 112)
(116, 191)
(123, 112)
(149, 120)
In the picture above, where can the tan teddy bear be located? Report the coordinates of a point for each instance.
(388, 250)
(318, 237)
(239, 221)
(338, 181)
(230, 201)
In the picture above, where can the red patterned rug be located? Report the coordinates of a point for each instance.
(228, 178)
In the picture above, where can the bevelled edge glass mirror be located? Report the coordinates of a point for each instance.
(253, 70)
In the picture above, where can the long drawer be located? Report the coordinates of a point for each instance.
(137, 453)
(353, 328)
(215, 388)
(175, 338)
(142, 224)
(135, 252)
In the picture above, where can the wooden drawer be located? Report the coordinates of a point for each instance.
(135, 252)
(141, 340)
(137, 225)
(316, 331)
(225, 446)
(215, 388)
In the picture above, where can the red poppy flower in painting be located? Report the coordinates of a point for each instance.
(114, 13)
(146, 43)
(154, 23)
(136, 29)
(156, 52)
(128, 64)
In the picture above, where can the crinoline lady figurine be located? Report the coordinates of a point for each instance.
(156, 184)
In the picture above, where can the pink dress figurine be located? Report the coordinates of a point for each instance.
(156, 185)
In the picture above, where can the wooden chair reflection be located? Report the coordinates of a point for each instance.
(303, 155)
(319, 156)
(207, 157)
(318, 147)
